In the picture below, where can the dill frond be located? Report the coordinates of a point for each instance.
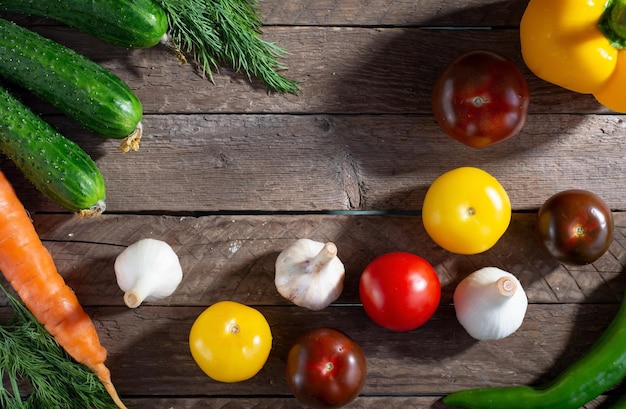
(36, 373)
(215, 32)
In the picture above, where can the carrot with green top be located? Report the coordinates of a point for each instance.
(30, 269)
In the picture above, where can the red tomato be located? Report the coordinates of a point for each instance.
(400, 291)
(325, 368)
(480, 99)
(575, 227)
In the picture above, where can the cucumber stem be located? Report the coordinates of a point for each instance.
(95, 210)
(131, 142)
(168, 41)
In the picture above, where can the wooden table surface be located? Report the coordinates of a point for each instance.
(230, 175)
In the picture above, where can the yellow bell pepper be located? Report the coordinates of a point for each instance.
(578, 45)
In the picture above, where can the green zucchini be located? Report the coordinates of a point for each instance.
(126, 23)
(77, 86)
(55, 165)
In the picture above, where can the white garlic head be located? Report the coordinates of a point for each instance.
(147, 270)
(490, 303)
(309, 274)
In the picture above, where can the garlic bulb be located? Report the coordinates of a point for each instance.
(490, 303)
(309, 274)
(147, 270)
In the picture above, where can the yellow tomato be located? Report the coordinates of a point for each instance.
(230, 341)
(466, 211)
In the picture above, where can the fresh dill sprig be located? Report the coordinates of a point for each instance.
(215, 32)
(36, 373)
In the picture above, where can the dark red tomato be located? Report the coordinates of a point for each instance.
(481, 99)
(575, 227)
(400, 291)
(325, 368)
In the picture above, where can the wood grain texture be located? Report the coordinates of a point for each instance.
(229, 175)
(356, 162)
(469, 13)
(360, 136)
(343, 70)
(409, 402)
(203, 163)
(435, 359)
(472, 13)
(232, 257)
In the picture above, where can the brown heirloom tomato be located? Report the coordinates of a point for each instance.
(575, 227)
(481, 99)
(325, 368)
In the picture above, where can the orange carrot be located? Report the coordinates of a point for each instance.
(30, 269)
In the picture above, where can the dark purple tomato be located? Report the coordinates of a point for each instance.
(325, 368)
(575, 227)
(481, 98)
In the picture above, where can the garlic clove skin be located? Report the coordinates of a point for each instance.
(147, 270)
(309, 274)
(490, 304)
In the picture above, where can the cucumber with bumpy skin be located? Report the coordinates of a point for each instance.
(57, 166)
(126, 23)
(77, 86)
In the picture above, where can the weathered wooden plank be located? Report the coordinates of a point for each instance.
(149, 355)
(190, 163)
(280, 403)
(360, 136)
(473, 13)
(342, 69)
(409, 402)
(233, 257)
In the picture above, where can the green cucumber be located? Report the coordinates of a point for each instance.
(55, 165)
(77, 86)
(126, 23)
